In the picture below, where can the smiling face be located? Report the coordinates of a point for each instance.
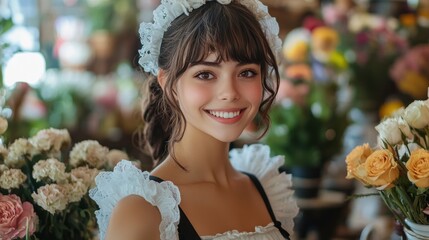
(232, 32)
(219, 98)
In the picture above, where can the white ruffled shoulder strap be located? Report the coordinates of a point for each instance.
(125, 180)
(255, 159)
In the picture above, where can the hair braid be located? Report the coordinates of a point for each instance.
(156, 130)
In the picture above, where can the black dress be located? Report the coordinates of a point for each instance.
(187, 231)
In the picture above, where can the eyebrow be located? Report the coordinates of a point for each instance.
(216, 64)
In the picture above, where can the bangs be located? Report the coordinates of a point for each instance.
(230, 35)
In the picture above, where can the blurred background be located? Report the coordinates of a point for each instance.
(346, 65)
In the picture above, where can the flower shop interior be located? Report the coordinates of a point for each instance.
(350, 117)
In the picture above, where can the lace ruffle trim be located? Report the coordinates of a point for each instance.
(127, 180)
(233, 234)
(256, 159)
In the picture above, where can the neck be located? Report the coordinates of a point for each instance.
(205, 160)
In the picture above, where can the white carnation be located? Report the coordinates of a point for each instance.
(88, 152)
(19, 150)
(53, 198)
(50, 169)
(75, 191)
(11, 178)
(114, 156)
(85, 175)
(3, 152)
(51, 140)
(3, 168)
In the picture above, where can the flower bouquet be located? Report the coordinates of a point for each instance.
(399, 167)
(44, 188)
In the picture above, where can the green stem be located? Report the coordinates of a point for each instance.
(384, 196)
(410, 213)
(425, 137)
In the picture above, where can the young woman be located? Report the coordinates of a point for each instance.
(213, 67)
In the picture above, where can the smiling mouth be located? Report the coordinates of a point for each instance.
(224, 114)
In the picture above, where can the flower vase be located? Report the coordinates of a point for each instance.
(416, 231)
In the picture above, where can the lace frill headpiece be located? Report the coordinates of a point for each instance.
(151, 34)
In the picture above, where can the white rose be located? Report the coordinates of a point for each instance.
(389, 131)
(417, 114)
(404, 127)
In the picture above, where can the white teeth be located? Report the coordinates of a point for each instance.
(225, 114)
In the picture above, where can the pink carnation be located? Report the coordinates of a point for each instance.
(14, 216)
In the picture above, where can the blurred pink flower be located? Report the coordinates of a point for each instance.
(411, 73)
(14, 216)
(32, 108)
(312, 23)
(416, 59)
(333, 14)
(105, 94)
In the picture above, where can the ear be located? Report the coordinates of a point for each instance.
(162, 78)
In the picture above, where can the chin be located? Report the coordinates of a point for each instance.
(227, 139)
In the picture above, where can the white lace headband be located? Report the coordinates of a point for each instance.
(151, 34)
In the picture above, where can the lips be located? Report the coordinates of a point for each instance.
(226, 116)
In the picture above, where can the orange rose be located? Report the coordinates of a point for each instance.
(356, 158)
(380, 169)
(418, 168)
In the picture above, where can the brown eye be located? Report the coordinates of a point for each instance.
(205, 76)
(248, 74)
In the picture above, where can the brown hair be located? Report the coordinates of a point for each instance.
(231, 31)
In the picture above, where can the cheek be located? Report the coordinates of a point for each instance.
(253, 93)
(194, 95)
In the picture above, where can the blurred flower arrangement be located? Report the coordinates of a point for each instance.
(410, 72)
(399, 167)
(99, 107)
(44, 185)
(374, 45)
(309, 118)
(307, 124)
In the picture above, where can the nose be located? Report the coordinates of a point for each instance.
(228, 91)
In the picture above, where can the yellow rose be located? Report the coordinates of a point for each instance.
(418, 168)
(356, 158)
(324, 41)
(380, 169)
(297, 52)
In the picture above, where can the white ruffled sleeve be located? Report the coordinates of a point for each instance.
(255, 159)
(125, 180)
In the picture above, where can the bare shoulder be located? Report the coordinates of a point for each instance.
(134, 218)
